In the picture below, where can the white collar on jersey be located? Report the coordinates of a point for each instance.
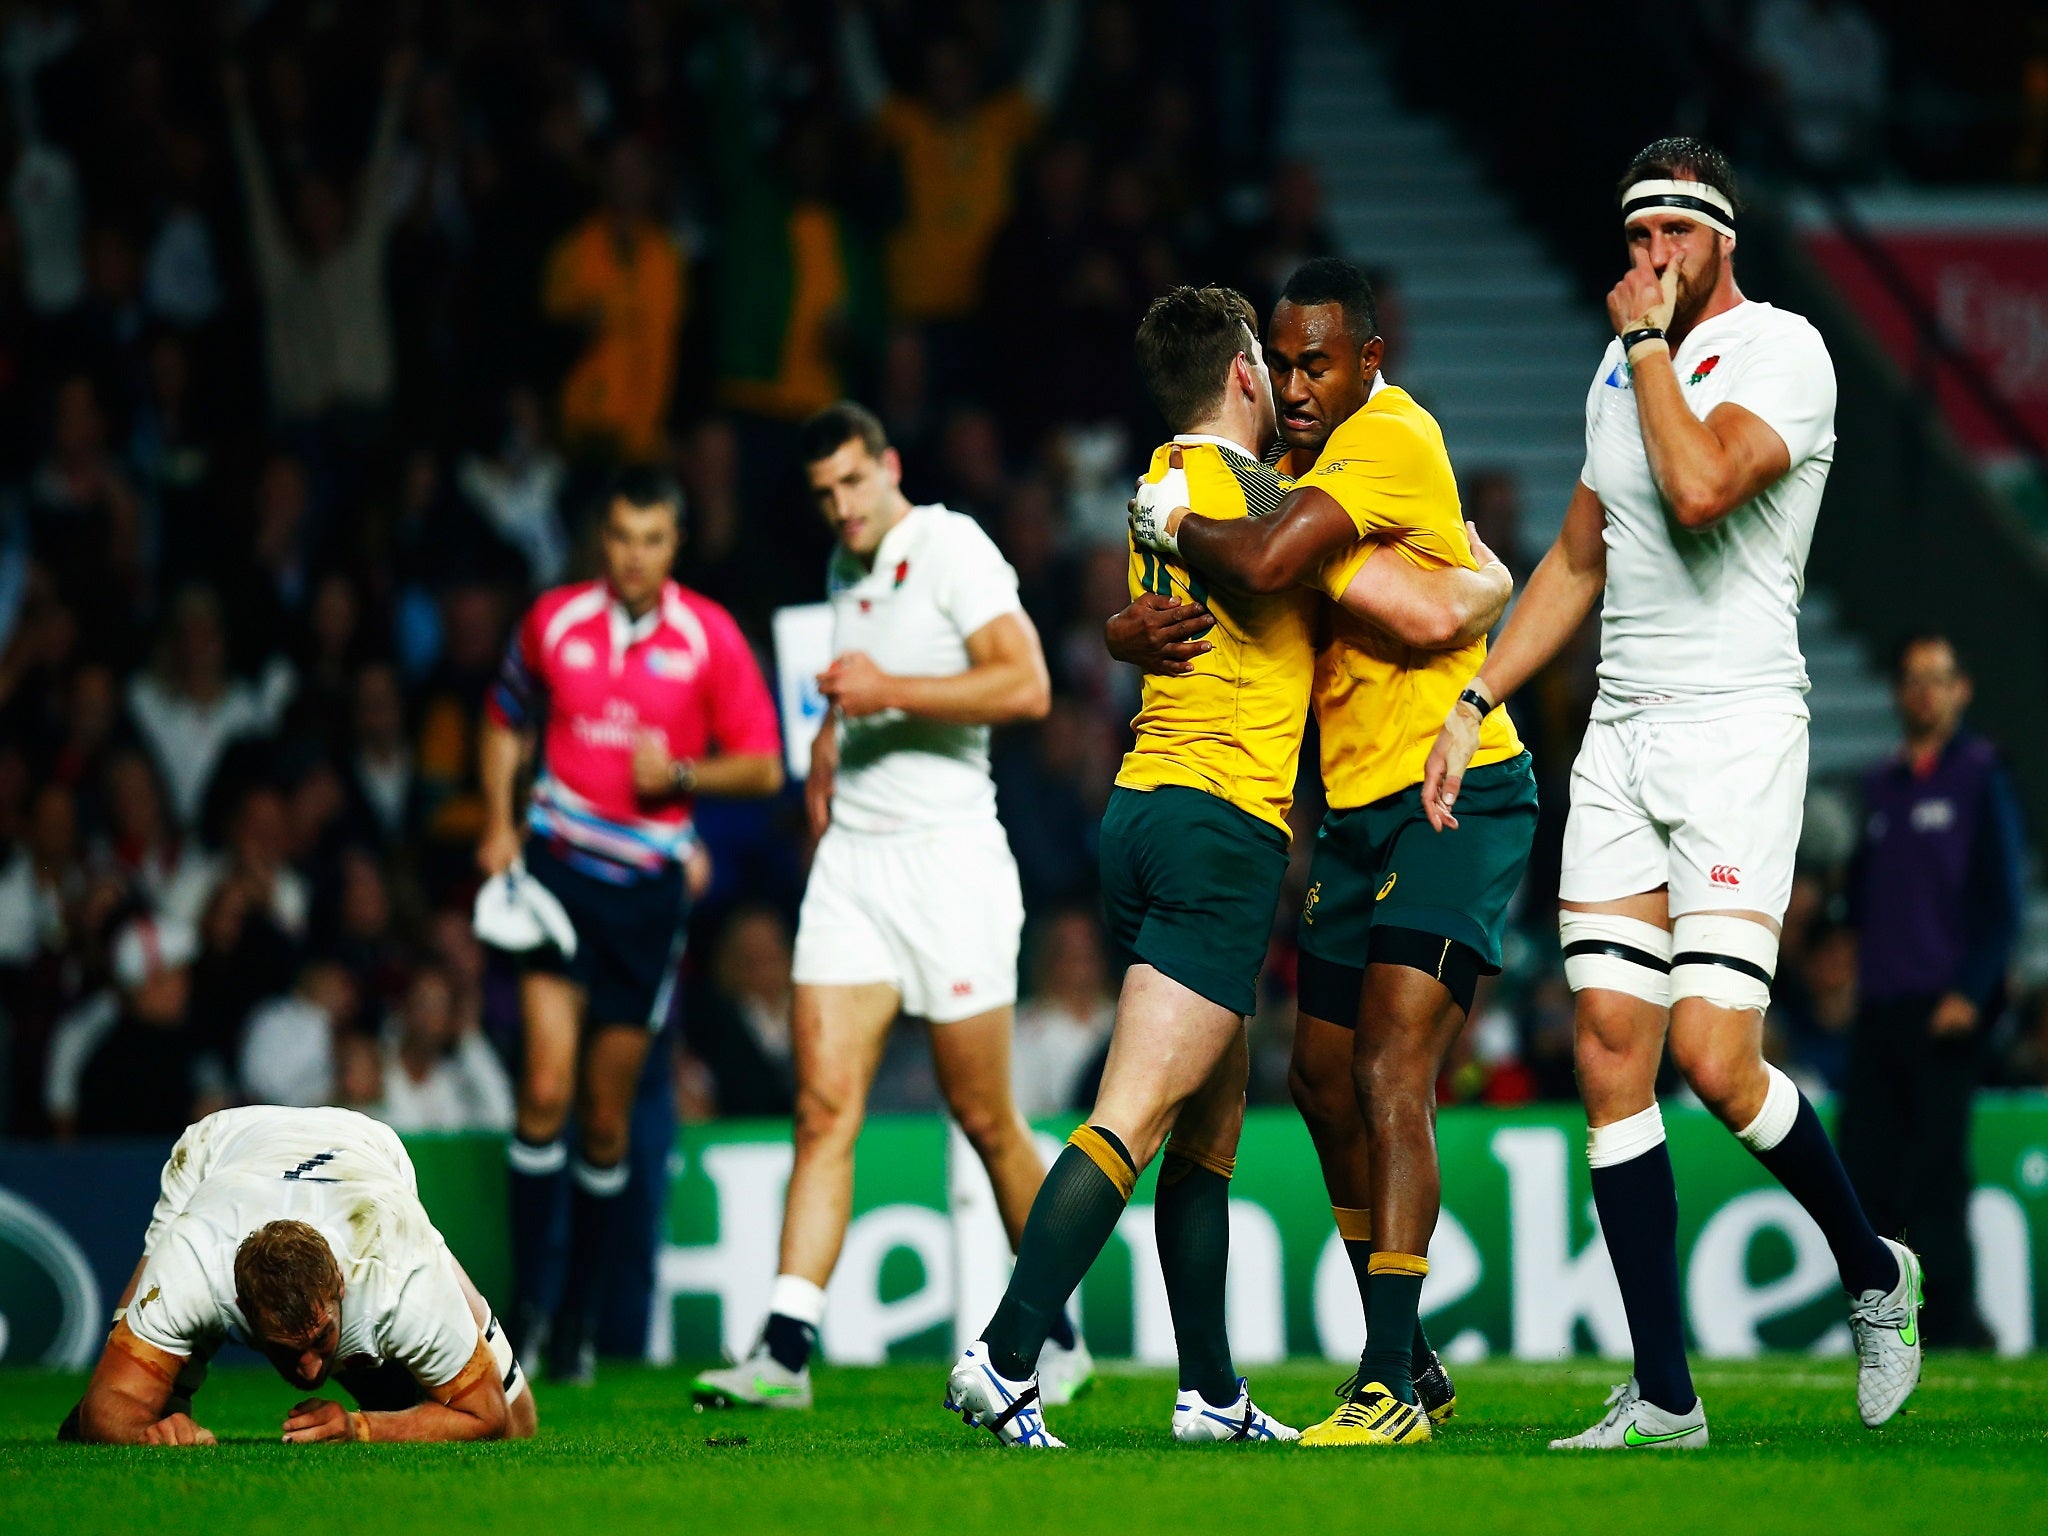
(1379, 382)
(628, 631)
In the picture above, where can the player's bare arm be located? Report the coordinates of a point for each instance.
(1705, 469)
(1562, 591)
(500, 755)
(124, 1402)
(472, 1407)
(1006, 680)
(1262, 554)
(823, 775)
(1432, 610)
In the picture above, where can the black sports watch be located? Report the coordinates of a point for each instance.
(1477, 700)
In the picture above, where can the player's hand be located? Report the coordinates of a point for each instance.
(177, 1429)
(1954, 1015)
(1153, 508)
(698, 872)
(1444, 774)
(498, 848)
(855, 686)
(315, 1420)
(653, 769)
(1643, 299)
(1159, 635)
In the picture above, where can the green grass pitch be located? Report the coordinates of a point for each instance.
(1788, 1455)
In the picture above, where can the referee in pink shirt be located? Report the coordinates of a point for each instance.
(641, 695)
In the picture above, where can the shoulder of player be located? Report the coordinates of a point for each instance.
(1756, 323)
(953, 534)
(561, 608)
(1385, 436)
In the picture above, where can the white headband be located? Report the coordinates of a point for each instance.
(1692, 199)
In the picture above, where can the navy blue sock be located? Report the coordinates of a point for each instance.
(1638, 1205)
(537, 1176)
(789, 1341)
(594, 1206)
(1805, 1162)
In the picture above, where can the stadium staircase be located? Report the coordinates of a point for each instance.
(1496, 342)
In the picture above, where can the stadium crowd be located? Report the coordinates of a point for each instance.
(321, 335)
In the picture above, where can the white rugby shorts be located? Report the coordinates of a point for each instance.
(937, 915)
(1711, 808)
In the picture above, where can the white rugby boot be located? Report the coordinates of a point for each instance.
(986, 1399)
(1634, 1425)
(1886, 1326)
(1064, 1374)
(1196, 1419)
(759, 1381)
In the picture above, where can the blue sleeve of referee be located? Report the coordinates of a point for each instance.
(1993, 891)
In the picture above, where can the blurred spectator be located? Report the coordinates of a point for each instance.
(84, 517)
(140, 845)
(1814, 1005)
(188, 708)
(131, 1063)
(957, 149)
(1064, 1022)
(618, 278)
(738, 1029)
(291, 1054)
(380, 765)
(326, 319)
(1825, 62)
(1935, 892)
(1293, 230)
(439, 1074)
(517, 486)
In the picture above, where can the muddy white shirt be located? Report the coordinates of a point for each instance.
(936, 579)
(1697, 624)
(343, 1174)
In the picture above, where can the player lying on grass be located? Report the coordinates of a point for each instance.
(299, 1232)
(1194, 850)
(1400, 921)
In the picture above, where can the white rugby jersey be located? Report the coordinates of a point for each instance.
(345, 1175)
(936, 579)
(1701, 623)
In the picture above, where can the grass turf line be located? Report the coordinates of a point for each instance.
(1788, 1455)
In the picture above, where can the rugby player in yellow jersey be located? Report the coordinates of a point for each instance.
(1400, 920)
(1194, 849)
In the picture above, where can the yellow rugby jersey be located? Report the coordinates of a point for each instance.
(1232, 727)
(1380, 704)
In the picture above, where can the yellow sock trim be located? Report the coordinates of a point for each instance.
(1396, 1264)
(1104, 1156)
(1354, 1223)
(1223, 1167)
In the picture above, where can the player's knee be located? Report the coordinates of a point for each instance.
(1728, 1075)
(987, 1127)
(1327, 1101)
(1389, 1077)
(543, 1103)
(826, 1117)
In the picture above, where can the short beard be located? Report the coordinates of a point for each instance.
(1691, 299)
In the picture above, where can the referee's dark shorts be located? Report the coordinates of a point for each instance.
(629, 936)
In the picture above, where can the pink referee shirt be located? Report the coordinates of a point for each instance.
(599, 680)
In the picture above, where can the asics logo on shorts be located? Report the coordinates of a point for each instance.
(1382, 893)
(1725, 874)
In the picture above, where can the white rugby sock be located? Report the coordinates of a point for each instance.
(798, 1299)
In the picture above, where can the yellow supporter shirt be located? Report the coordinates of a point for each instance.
(618, 391)
(956, 185)
(1231, 728)
(1379, 703)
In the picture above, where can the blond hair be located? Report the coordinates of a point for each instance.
(285, 1279)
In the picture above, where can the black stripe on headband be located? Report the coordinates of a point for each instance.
(1709, 213)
